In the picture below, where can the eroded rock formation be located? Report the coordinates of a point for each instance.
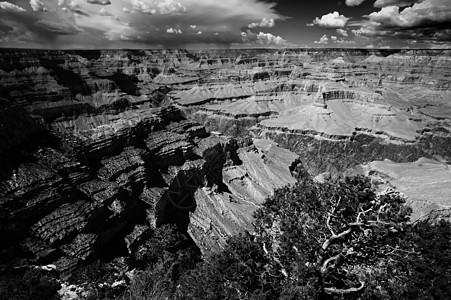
(101, 190)
(100, 147)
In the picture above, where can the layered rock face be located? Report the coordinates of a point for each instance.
(97, 186)
(100, 147)
(334, 108)
(426, 182)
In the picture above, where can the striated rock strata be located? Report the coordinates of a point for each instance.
(99, 147)
(101, 184)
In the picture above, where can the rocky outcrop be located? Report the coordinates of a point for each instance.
(222, 212)
(104, 185)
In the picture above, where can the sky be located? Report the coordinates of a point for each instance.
(193, 24)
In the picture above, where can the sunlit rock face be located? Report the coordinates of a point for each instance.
(334, 108)
(100, 147)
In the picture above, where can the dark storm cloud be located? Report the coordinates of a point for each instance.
(37, 25)
(142, 23)
(400, 3)
(99, 2)
(55, 27)
(203, 22)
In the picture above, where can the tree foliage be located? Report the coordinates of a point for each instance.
(335, 232)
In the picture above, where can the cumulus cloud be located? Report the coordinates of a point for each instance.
(268, 38)
(268, 23)
(38, 5)
(99, 2)
(354, 2)
(193, 26)
(337, 40)
(323, 40)
(426, 21)
(425, 13)
(263, 38)
(342, 32)
(331, 20)
(10, 7)
(199, 32)
(163, 7)
(174, 31)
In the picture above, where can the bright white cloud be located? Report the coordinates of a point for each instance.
(268, 38)
(10, 7)
(354, 2)
(38, 5)
(323, 40)
(174, 31)
(342, 32)
(426, 12)
(268, 23)
(193, 26)
(153, 7)
(424, 21)
(143, 7)
(199, 32)
(263, 38)
(331, 20)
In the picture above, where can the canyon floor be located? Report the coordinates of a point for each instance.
(100, 147)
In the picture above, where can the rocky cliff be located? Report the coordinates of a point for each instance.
(100, 147)
(84, 192)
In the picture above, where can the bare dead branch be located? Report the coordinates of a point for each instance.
(344, 291)
(335, 237)
(326, 263)
(328, 224)
(401, 250)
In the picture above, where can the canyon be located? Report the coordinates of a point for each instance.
(100, 147)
